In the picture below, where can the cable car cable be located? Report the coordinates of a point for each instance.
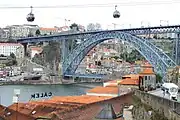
(96, 5)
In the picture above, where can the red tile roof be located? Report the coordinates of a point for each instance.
(54, 106)
(10, 44)
(84, 99)
(12, 114)
(133, 76)
(61, 108)
(129, 81)
(36, 48)
(112, 81)
(147, 69)
(49, 29)
(104, 90)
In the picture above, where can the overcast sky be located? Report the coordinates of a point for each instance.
(132, 12)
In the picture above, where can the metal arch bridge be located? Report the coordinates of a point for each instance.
(154, 55)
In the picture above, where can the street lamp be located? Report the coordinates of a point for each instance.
(166, 21)
(144, 22)
(15, 100)
(118, 85)
(66, 21)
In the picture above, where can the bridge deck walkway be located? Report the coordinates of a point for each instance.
(95, 76)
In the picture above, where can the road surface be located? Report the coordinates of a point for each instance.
(159, 92)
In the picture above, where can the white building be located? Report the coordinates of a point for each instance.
(20, 51)
(7, 48)
(35, 50)
(6, 33)
(20, 31)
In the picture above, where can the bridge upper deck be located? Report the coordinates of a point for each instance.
(134, 31)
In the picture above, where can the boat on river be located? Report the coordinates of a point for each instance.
(32, 77)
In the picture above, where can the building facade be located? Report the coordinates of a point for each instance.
(20, 31)
(35, 50)
(7, 48)
(48, 31)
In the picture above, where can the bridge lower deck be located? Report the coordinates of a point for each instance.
(90, 76)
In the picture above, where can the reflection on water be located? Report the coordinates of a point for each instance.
(27, 91)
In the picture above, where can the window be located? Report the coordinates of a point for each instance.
(33, 112)
(145, 77)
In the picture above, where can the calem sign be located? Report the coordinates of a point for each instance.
(41, 95)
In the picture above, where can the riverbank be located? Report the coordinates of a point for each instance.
(40, 82)
(16, 80)
(89, 85)
(28, 83)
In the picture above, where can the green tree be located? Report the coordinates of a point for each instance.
(12, 55)
(50, 51)
(11, 40)
(94, 27)
(115, 57)
(158, 78)
(38, 32)
(74, 26)
(73, 42)
(30, 35)
(38, 59)
(91, 27)
(2, 55)
(52, 55)
(11, 60)
(132, 57)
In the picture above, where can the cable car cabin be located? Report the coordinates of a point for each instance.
(30, 17)
(116, 14)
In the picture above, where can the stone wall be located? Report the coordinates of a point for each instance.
(142, 111)
(163, 107)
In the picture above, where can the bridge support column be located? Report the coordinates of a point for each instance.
(45, 43)
(25, 48)
(177, 49)
(64, 51)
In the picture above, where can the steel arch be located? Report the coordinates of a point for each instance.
(154, 55)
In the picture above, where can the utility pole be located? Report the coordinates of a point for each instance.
(142, 24)
(161, 21)
(57, 62)
(176, 49)
(114, 25)
(66, 21)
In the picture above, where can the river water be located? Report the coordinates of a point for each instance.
(37, 92)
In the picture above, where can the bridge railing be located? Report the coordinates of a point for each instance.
(134, 31)
(169, 108)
